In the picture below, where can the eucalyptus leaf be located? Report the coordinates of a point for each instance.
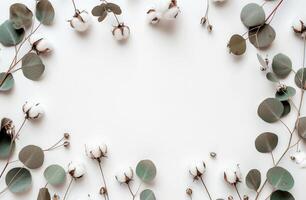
(9, 36)
(6, 145)
(287, 108)
(281, 65)
(272, 77)
(146, 170)
(262, 37)
(300, 78)
(45, 12)
(301, 127)
(285, 94)
(102, 17)
(270, 110)
(237, 45)
(281, 195)
(147, 195)
(262, 61)
(55, 175)
(32, 66)
(6, 81)
(99, 10)
(113, 8)
(280, 178)
(18, 180)
(20, 15)
(44, 194)
(253, 179)
(32, 156)
(252, 15)
(266, 142)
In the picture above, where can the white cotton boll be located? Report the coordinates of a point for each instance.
(233, 175)
(298, 26)
(197, 169)
(121, 32)
(76, 169)
(172, 13)
(96, 151)
(153, 16)
(81, 22)
(125, 176)
(32, 110)
(162, 5)
(298, 157)
(27, 106)
(43, 46)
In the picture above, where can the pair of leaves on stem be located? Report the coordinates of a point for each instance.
(146, 171)
(260, 34)
(101, 11)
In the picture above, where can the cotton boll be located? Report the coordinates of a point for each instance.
(126, 176)
(76, 169)
(153, 16)
(81, 21)
(197, 169)
(32, 110)
(41, 45)
(233, 175)
(298, 157)
(298, 26)
(96, 151)
(121, 32)
(172, 13)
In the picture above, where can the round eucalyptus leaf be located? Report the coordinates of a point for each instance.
(272, 77)
(21, 15)
(9, 36)
(18, 180)
(45, 12)
(147, 195)
(300, 78)
(281, 65)
(253, 179)
(280, 178)
(55, 175)
(301, 127)
(270, 110)
(44, 194)
(6, 81)
(285, 94)
(287, 108)
(281, 195)
(266, 142)
(262, 37)
(237, 45)
(6, 145)
(99, 10)
(146, 170)
(32, 66)
(32, 156)
(252, 15)
(102, 17)
(114, 8)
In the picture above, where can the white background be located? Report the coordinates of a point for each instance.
(171, 95)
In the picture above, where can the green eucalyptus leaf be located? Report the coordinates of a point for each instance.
(287, 108)
(32, 156)
(253, 179)
(44, 194)
(272, 77)
(300, 78)
(18, 180)
(262, 61)
(262, 37)
(20, 15)
(114, 8)
(32, 66)
(99, 10)
(146, 170)
(102, 17)
(285, 94)
(45, 12)
(281, 195)
(301, 127)
(147, 194)
(55, 175)
(6, 145)
(252, 15)
(9, 36)
(6, 81)
(266, 142)
(237, 45)
(270, 110)
(280, 178)
(281, 65)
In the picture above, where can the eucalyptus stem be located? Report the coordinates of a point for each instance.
(54, 146)
(69, 186)
(206, 189)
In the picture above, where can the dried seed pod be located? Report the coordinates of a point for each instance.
(189, 191)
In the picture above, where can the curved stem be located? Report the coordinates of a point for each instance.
(74, 6)
(69, 186)
(130, 189)
(103, 178)
(235, 186)
(206, 188)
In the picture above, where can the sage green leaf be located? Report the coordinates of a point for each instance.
(301, 127)
(9, 36)
(6, 145)
(270, 110)
(300, 78)
(32, 156)
(281, 65)
(266, 142)
(262, 37)
(45, 12)
(253, 179)
(237, 45)
(18, 180)
(281, 195)
(113, 8)
(99, 10)
(147, 195)
(6, 81)
(285, 94)
(287, 108)
(252, 15)
(20, 15)
(55, 175)
(146, 170)
(280, 178)
(272, 77)
(44, 194)
(102, 17)
(32, 66)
